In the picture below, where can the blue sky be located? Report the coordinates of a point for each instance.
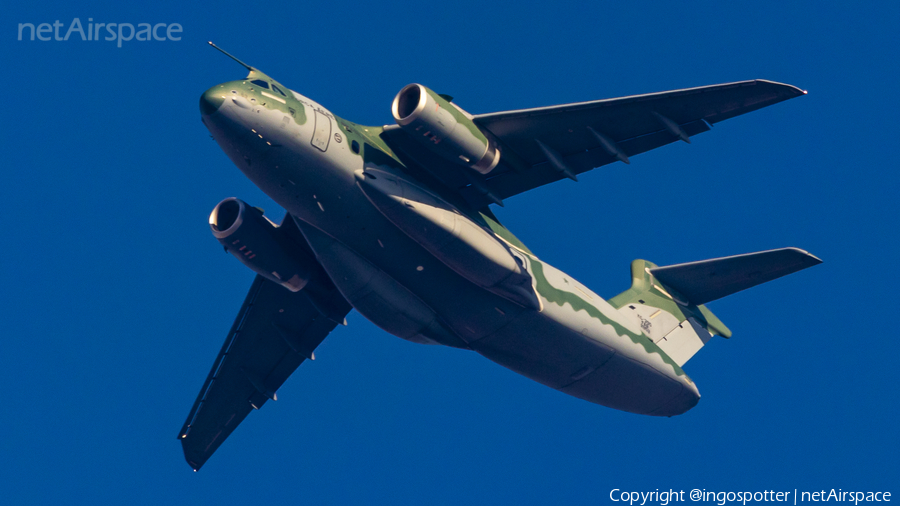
(118, 297)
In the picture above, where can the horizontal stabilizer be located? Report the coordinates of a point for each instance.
(708, 280)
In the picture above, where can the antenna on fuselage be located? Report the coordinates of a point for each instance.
(226, 53)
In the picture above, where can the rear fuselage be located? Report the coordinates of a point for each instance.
(428, 270)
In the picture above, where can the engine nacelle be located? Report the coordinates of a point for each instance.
(259, 244)
(434, 122)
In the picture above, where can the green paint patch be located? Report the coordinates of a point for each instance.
(369, 137)
(457, 115)
(643, 288)
(291, 106)
(560, 297)
(504, 233)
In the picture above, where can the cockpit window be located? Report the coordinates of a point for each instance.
(276, 88)
(260, 83)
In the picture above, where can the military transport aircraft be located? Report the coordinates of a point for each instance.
(395, 222)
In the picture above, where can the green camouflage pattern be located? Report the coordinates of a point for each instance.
(644, 287)
(460, 118)
(409, 241)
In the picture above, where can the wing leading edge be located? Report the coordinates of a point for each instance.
(274, 332)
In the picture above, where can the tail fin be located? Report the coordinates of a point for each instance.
(668, 302)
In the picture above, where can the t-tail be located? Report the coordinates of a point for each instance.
(668, 303)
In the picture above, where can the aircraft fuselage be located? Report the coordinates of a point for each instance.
(430, 270)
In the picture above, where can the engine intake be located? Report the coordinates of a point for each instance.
(259, 244)
(442, 127)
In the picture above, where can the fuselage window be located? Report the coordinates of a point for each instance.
(260, 83)
(276, 88)
(355, 147)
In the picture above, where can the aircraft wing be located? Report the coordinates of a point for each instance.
(274, 332)
(586, 135)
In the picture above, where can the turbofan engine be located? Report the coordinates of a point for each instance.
(259, 244)
(442, 127)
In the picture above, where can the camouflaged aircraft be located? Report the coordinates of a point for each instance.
(395, 222)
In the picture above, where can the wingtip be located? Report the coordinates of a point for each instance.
(814, 259)
(192, 458)
(796, 91)
(196, 467)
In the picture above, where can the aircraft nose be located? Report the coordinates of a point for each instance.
(210, 101)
